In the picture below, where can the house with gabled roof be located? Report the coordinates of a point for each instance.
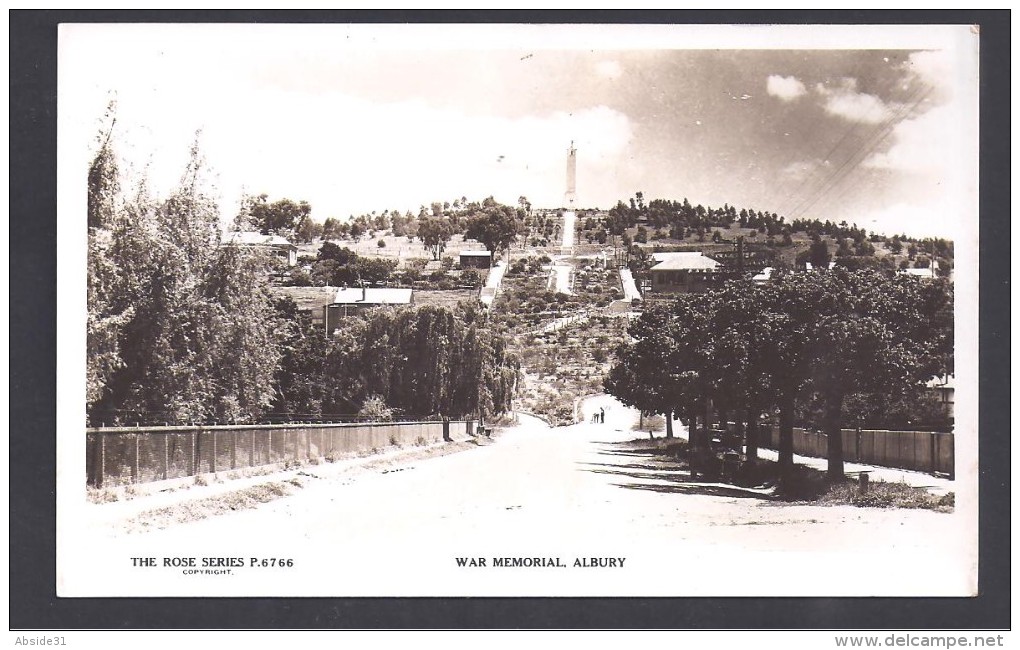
(684, 272)
(274, 244)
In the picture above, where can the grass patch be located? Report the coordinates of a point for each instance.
(888, 495)
(650, 423)
(212, 506)
(104, 495)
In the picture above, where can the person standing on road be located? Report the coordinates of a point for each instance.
(602, 415)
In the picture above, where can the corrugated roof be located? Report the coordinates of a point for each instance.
(371, 296)
(252, 238)
(477, 253)
(686, 262)
(307, 297)
(765, 274)
(662, 257)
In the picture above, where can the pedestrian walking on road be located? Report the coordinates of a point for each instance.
(602, 415)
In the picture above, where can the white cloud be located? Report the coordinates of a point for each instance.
(785, 88)
(919, 145)
(933, 67)
(347, 155)
(610, 69)
(844, 101)
(916, 220)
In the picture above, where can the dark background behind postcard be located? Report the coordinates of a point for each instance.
(33, 307)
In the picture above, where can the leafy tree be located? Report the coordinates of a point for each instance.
(340, 254)
(246, 355)
(818, 255)
(745, 331)
(422, 362)
(104, 175)
(308, 231)
(435, 233)
(899, 330)
(331, 228)
(496, 227)
(196, 333)
(864, 248)
(664, 369)
(283, 217)
(106, 314)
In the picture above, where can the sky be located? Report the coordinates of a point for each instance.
(876, 127)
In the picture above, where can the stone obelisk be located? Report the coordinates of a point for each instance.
(571, 193)
(567, 247)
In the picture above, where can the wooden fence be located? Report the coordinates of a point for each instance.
(123, 455)
(922, 451)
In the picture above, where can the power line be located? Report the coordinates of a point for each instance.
(861, 153)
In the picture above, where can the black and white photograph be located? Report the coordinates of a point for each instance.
(511, 310)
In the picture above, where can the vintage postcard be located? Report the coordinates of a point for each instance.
(406, 310)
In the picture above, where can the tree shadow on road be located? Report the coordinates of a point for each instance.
(707, 489)
(679, 481)
(666, 469)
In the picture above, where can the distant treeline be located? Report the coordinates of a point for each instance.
(679, 220)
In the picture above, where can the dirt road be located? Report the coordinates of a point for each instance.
(577, 495)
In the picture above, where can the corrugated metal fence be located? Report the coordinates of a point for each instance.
(922, 451)
(122, 455)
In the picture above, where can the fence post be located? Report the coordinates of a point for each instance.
(194, 453)
(952, 458)
(308, 443)
(934, 450)
(251, 451)
(102, 460)
(134, 468)
(166, 456)
(212, 466)
(233, 449)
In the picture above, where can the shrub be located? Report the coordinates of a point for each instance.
(374, 409)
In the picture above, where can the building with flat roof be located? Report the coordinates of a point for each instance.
(351, 301)
(475, 259)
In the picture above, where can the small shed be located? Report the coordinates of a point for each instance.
(350, 301)
(475, 259)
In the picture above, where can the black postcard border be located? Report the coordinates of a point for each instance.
(33, 309)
